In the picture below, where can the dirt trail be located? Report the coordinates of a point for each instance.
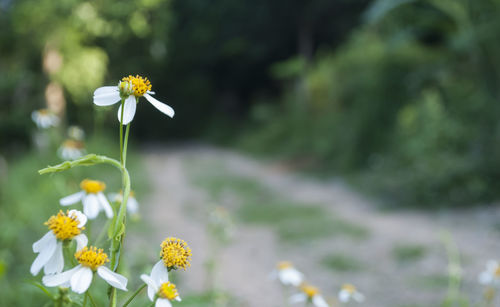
(177, 208)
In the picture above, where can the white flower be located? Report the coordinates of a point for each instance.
(44, 118)
(491, 275)
(76, 133)
(132, 203)
(309, 294)
(92, 198)
(348, 292)
(71, 150)
(79, 278)
(159, 288)
(130, 88)
(50, 247)
(287, 274)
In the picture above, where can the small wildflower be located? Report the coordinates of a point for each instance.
(76, 133)
(129, 88)
(79, 278)
(309, 294)
(62, 227)
(132, 203)
(44, 118)
(159, 288)
(92, 198)
(71, 150)
(348, 292)
(491, 276)
(287, 274)
(175, 253)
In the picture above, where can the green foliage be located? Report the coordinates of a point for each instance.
(342, 263)
(408, 252)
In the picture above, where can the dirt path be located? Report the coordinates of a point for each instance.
(177, 207)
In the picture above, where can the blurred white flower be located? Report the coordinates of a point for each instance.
(79, 278)
(159, 288)
(287, 274)
(132, 203)
(92, 198)
(76, 133)
(130, 88)
(349, 292)
(71, 150)
(44, 118)
(309, 294)
(491, 276)
(63, 227)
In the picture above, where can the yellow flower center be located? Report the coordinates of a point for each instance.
(92, 186)
(91, 257)
(73, 144)
(175, 253)
(64, 226)
(282, 265)
(167, 290)
(348, 288)
(140, 85)
(308, 290)
(497, 272)
(43, 112)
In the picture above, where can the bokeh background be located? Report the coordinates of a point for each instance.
(365, 128)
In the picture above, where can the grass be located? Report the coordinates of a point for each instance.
(408, 252)
(431, 282)
(293, 221)
(342, 263)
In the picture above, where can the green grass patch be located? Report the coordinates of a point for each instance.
(433, 281)
(341, 263)
(408, 252)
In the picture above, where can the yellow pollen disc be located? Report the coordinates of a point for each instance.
(348, 288)
(43, 111)
(140, 85)
(282, 265)
(92, 186)
(497, 272)
(64, 226)
(73, 144)
(167, 290)
(308, 290)
(175, 253)
(91, 257)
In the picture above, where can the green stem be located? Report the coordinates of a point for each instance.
(91, 299)
(124, 157)
(134, 295)
(85, 300)
(121, 130)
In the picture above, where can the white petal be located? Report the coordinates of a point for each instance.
(105, 90)
(160, 105)
(91, 206)
(162, 302)
(56, 262)
(491, 265)
(81, 241)
(297, 298)
(59, 279)
(129, 110)
(82, 218)
(290, 277)
(319, 301)
(358, 297)
(485, 278)
(159, 273)
(81, 279)
(72, 199)
(152, 287)
(116, 280)
(107, 99)
(132, 205)
(344, 296)
(40, 244)
(44, 256)
(178, 298)
(105, 205)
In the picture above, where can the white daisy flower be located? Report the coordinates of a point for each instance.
(71, 150)
(63, 227)
(79, 278)
(491, 276)
(309, 294)
(130, 88)
(92, 198)
(76, 133)
(348, 292)
(287, 274)
(160, 290)
(44, 118)
(132, 203)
